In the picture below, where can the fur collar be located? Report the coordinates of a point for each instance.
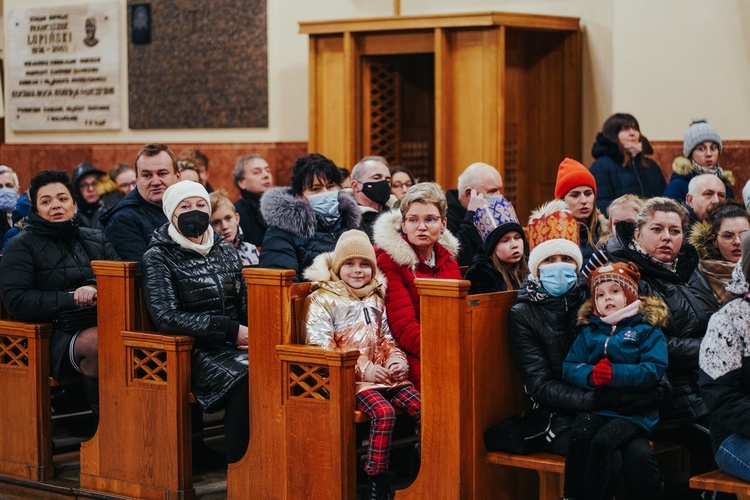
(654, 311)
(282, 209)
(320, 272)
(703, 239)
(388, 237)
(684, 167)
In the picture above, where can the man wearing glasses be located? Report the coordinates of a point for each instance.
(84, 182)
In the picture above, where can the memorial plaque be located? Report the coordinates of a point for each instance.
(197, 64)
(64, 68)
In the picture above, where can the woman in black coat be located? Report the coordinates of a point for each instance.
(46, 275)
(193, 285)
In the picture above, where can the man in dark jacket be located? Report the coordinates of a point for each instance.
(252, 176)
(705, 191)
(84, 183)
(477, 184)
(371, 188)
(130, 225)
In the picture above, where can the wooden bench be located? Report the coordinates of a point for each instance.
(721, 481)
(142, 447)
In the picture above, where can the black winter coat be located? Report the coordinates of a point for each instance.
(484, 277)
(691, 303)
(251, 221)
(204, 297)
(42, 266)
(130, 225)
(296, 234)
(461, 224)
(641, 176)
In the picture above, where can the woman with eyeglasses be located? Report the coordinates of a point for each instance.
(410, 243)
(401, 181)
(717, 240)
(85, 183)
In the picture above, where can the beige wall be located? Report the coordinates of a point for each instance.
(665, 61)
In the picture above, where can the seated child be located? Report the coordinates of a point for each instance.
(621, 345)
(503, 264)
(346, 310)
(226, 221)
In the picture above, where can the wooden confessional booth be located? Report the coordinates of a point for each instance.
(437, 93)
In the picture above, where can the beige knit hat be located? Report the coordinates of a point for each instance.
(352, 243)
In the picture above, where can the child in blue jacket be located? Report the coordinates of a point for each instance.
(621, 345)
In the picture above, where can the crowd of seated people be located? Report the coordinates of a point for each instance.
(667, 259)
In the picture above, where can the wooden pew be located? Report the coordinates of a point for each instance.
(142, 448)
(721, 481)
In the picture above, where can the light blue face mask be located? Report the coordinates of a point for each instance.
(491, 199)
(557, 278)
(326, 204)
(8, 198)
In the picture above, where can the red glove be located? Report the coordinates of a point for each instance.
(602, 374)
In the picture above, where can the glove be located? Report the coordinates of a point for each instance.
(602, 374)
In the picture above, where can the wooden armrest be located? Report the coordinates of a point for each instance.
(720, 481)
(538, 461)
(150, 340)
(316, 355)
(15, 328)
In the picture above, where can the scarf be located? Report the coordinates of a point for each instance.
(715, 170)
(201, 248)
(669, 266)
(628, 311)
(718, 274)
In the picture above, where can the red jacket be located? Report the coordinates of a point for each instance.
(401, 264)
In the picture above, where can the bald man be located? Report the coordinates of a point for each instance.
(705, 191)
(475, 184)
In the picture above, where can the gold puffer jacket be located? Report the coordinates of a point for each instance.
(337, 319)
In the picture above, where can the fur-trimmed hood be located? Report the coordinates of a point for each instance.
(388, 237)
(654, 311)
(320, 272)
(703, 239)
(282, 209)
(684, 166)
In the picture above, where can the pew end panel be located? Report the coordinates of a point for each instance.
(26, 437)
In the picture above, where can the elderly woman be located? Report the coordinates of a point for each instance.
(46, 275)
(413, 242)
(668, 264)
(577, 188)
(306, 219)
(717, 240)
(193, 285)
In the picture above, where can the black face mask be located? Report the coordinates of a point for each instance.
(379, 192)
(192, 224)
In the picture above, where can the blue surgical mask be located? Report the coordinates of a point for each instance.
(557, 278)
(491, 199)
(326, 204)
(8, 198)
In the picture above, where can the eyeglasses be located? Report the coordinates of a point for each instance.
(88, 185)
(428, 221)
(399, 185)
(126, 185)
(729, 237)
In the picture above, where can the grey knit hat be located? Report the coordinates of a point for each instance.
(699, 131)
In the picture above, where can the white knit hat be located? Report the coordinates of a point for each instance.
(178, 192)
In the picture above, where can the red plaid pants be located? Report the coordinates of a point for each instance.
(378, 405)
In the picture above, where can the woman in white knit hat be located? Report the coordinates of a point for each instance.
(193, 285)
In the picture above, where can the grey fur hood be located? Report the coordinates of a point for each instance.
(388, 237)
(282, 209)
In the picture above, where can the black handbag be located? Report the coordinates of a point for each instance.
(76, 320)
(522, 435)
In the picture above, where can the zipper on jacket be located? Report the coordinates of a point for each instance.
(606, 342)
(210, 267)
(637, 176)
(367, 316)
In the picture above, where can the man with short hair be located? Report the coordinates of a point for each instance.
(252, 176)
(8, 197)
(371, 188)
(705, 191)
(200, 162)
(131, 223)
(477, 184)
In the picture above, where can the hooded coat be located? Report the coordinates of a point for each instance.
(337, 319)
(683, 171)
(40, 269)
(635, 346)
(715, 270)
(641, 176)
(204, 297)
(88, 213)
(691, 303)
(296, 234)
(401, 265)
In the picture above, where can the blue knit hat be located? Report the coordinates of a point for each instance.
(699, 131)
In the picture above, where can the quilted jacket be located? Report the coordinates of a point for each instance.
(401, 264)
(204, 297)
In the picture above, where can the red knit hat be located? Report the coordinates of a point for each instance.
(571, 174)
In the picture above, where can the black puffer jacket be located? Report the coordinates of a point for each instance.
(204, 297)
(296, 234)
(130, 225)
(691, 303)
(251, 221)
(43, 265)
(484, 277)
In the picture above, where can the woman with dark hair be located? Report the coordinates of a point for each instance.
(717, 240)
(306, 219)
(46, 276)
(401, 181)
(621, 165)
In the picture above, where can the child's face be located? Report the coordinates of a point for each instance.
(225, 221)
(609, 298)
(510, 248)
(356, 272)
